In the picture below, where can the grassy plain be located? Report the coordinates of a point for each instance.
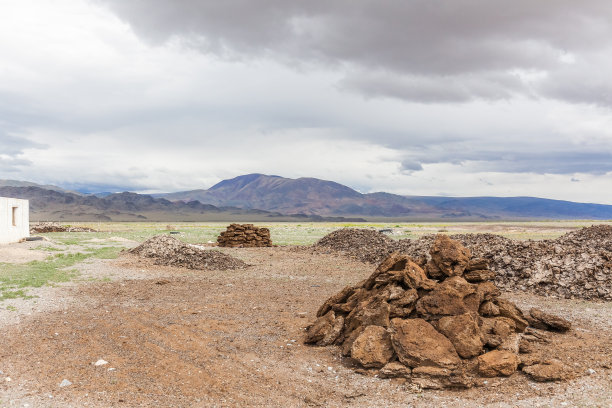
(66, 249)
(308, 233)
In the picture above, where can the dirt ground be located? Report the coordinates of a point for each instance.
(184, 338)
(22, 252)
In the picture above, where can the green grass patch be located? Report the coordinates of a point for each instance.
(16, 278)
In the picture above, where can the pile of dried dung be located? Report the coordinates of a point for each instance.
(575, 265)
(439, 324)
(43, 227)
(365, 245)
(166, 250)
(244, 236)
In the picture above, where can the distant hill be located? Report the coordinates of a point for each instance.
(327, 198)
(258, 197)
(52, 205)
(18, 183)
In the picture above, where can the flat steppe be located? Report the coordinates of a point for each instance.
(183, 338)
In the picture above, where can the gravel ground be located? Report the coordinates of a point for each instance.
(178, 337)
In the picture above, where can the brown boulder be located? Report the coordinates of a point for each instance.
(463, 332)
(509, 310)
(459, 284)
(351, 303)
(372, 349)
(415, 277)
(325, 330)
(432, 271)
(395, 369)
(374, 313)
(480, 275)
(339, 297)
(439, 378)
(450, 256)
(548, 371)
(417, 343)
(488, 309)
(442, 301)
(547, 321)
(496, 363)
(487, 291)
(477, 264)
(388, 270)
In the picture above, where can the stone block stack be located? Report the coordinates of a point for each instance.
(244, 236)
(439, 324)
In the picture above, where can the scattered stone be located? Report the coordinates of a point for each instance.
(100, 363)
(549, 371)
(167, 250)
(497, 362)
(244, 236)
(65, 383)
(547, 321)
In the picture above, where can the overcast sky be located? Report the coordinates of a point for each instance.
(457, 97)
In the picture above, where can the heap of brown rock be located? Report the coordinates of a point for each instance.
(244, 236)
(438, 323)
(44, 227)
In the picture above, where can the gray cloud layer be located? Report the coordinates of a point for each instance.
(424, 51)
(415, 97)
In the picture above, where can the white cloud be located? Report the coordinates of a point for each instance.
(85, 99)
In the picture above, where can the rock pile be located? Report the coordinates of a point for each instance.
(244, 236)
(167, 250)
(439, 324)
(43, 227)
(366, 245)
(575, 265)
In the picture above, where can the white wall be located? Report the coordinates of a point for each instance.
(8, 231)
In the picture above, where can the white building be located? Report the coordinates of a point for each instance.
(14, 219)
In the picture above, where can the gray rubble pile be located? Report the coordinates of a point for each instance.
(365, 245)
(575, 265)
(167, 250)
(441, 326)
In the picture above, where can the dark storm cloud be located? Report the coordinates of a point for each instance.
(445, 51)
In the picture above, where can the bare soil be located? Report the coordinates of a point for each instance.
(22, 252)
(183, 338)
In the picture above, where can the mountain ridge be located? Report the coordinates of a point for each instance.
(257, 197)
(327, 198)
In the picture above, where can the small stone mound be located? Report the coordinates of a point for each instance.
(244, 236)
(44, 227)
(167, 250)
(440, 324)
(365, 245)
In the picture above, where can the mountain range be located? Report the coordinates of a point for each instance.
(259, 197)
(327, 198)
